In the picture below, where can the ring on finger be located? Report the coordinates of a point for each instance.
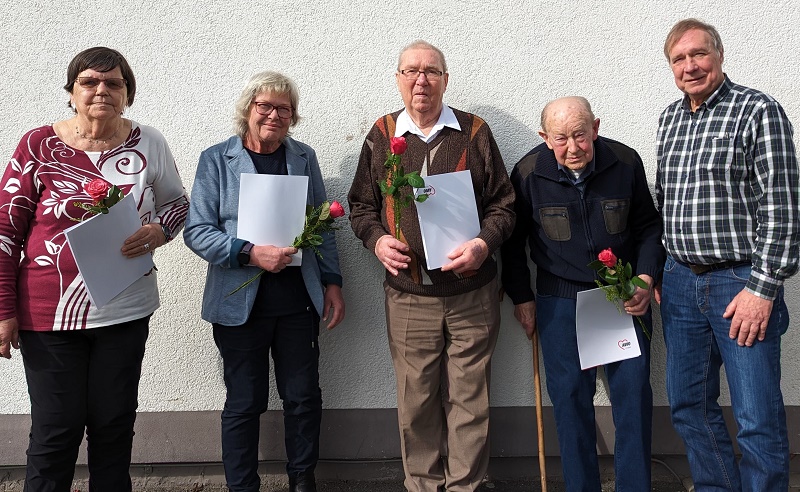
(146, 246)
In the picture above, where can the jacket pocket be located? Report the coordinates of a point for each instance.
(555, 222)
(615, 215)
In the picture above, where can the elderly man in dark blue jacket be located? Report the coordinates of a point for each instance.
(576, 195)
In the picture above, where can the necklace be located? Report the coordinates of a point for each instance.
(98, 140)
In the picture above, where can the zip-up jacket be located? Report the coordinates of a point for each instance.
(567, 225)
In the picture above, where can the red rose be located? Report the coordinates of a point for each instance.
(607, 258)
(398, 145)
(336, 209)
(97, 189)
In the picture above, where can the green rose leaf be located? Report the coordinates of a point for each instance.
(627, 290)
(415, 180)
(596, 265)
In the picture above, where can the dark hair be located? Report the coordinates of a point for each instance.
(103, 60)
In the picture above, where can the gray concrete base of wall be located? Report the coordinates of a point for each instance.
(180, 451)
(670, 474)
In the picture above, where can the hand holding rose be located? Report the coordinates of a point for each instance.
(622, 285)
(390, 252)
(271, 258)
(638, 304)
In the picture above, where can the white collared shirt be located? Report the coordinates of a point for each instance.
(406, 124)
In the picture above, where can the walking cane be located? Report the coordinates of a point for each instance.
(537, 385)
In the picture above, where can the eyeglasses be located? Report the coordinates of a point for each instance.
(413, 73)
(92, 82)
(266, 110)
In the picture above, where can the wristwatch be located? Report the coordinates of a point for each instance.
(243, 257)
(167, 233)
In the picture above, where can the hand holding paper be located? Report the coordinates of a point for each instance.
(143, 241)
(271, 258)
(467, 257)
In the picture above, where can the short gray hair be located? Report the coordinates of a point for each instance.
(422, 44)
(686, 25)
(259, 83)
(583, 103)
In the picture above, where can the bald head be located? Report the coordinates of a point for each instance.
(571, 105)
(569, 129)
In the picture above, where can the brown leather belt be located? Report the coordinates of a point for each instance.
(701, 269)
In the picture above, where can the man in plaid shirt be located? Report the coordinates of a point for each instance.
(727, 188)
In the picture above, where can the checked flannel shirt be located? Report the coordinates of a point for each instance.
(727, 185)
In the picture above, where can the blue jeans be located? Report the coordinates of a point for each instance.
(245, 350)
(572, 392)
(696, 336)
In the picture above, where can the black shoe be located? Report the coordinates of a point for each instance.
(303, 483)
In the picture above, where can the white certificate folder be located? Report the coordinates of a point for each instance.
(604, 333)
(96, 244)
(272, 210)
(449, 217)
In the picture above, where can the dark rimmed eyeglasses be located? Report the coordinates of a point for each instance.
(413, 73)
(92, 82)
(267, 108)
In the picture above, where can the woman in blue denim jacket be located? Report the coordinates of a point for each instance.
(280, 312)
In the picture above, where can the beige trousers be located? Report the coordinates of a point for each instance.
(442, 349)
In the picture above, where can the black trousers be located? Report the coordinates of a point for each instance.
(245, 350)
(82, 380)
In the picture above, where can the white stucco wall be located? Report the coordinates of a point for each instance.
(506, 58)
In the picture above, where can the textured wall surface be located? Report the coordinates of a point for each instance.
(506, 59)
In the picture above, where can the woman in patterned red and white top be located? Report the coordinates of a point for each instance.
(82, 363)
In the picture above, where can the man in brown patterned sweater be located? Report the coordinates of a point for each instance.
(442, 323)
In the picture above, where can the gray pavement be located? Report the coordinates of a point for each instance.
(277, 483)
(491, 486)
(668, 476)
(363, 486)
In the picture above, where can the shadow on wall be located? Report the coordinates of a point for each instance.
(514, 138)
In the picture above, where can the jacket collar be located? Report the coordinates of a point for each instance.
(239, 160)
